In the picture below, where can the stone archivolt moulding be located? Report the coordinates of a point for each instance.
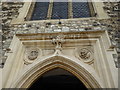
(31, 54)
(85, 54)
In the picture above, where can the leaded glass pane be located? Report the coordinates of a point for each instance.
(40, 11)
(80, 9)
(60, 10)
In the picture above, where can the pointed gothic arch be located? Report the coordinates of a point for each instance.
(57, 79)
(37, 69)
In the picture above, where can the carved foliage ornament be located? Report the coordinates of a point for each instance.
(85, 54)
(31, 54)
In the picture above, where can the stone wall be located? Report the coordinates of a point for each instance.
(9, 11)
(112, 9)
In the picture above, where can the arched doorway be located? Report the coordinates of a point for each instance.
(39, 68)
(57, 79)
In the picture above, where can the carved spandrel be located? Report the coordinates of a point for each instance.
(85, 54)
(32, 54)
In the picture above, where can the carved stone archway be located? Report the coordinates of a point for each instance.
(20, 70)
(33, 72)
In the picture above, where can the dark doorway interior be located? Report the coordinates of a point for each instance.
(58, 79)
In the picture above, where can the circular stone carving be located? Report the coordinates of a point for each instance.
(32, 54)
(84, 54)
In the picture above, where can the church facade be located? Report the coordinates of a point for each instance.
(58, 44)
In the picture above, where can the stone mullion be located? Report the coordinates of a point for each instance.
(50, 9)
(30, 12)
(92, 12)
(70, 13)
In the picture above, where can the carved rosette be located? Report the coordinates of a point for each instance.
(31, 54)
(85, 54)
